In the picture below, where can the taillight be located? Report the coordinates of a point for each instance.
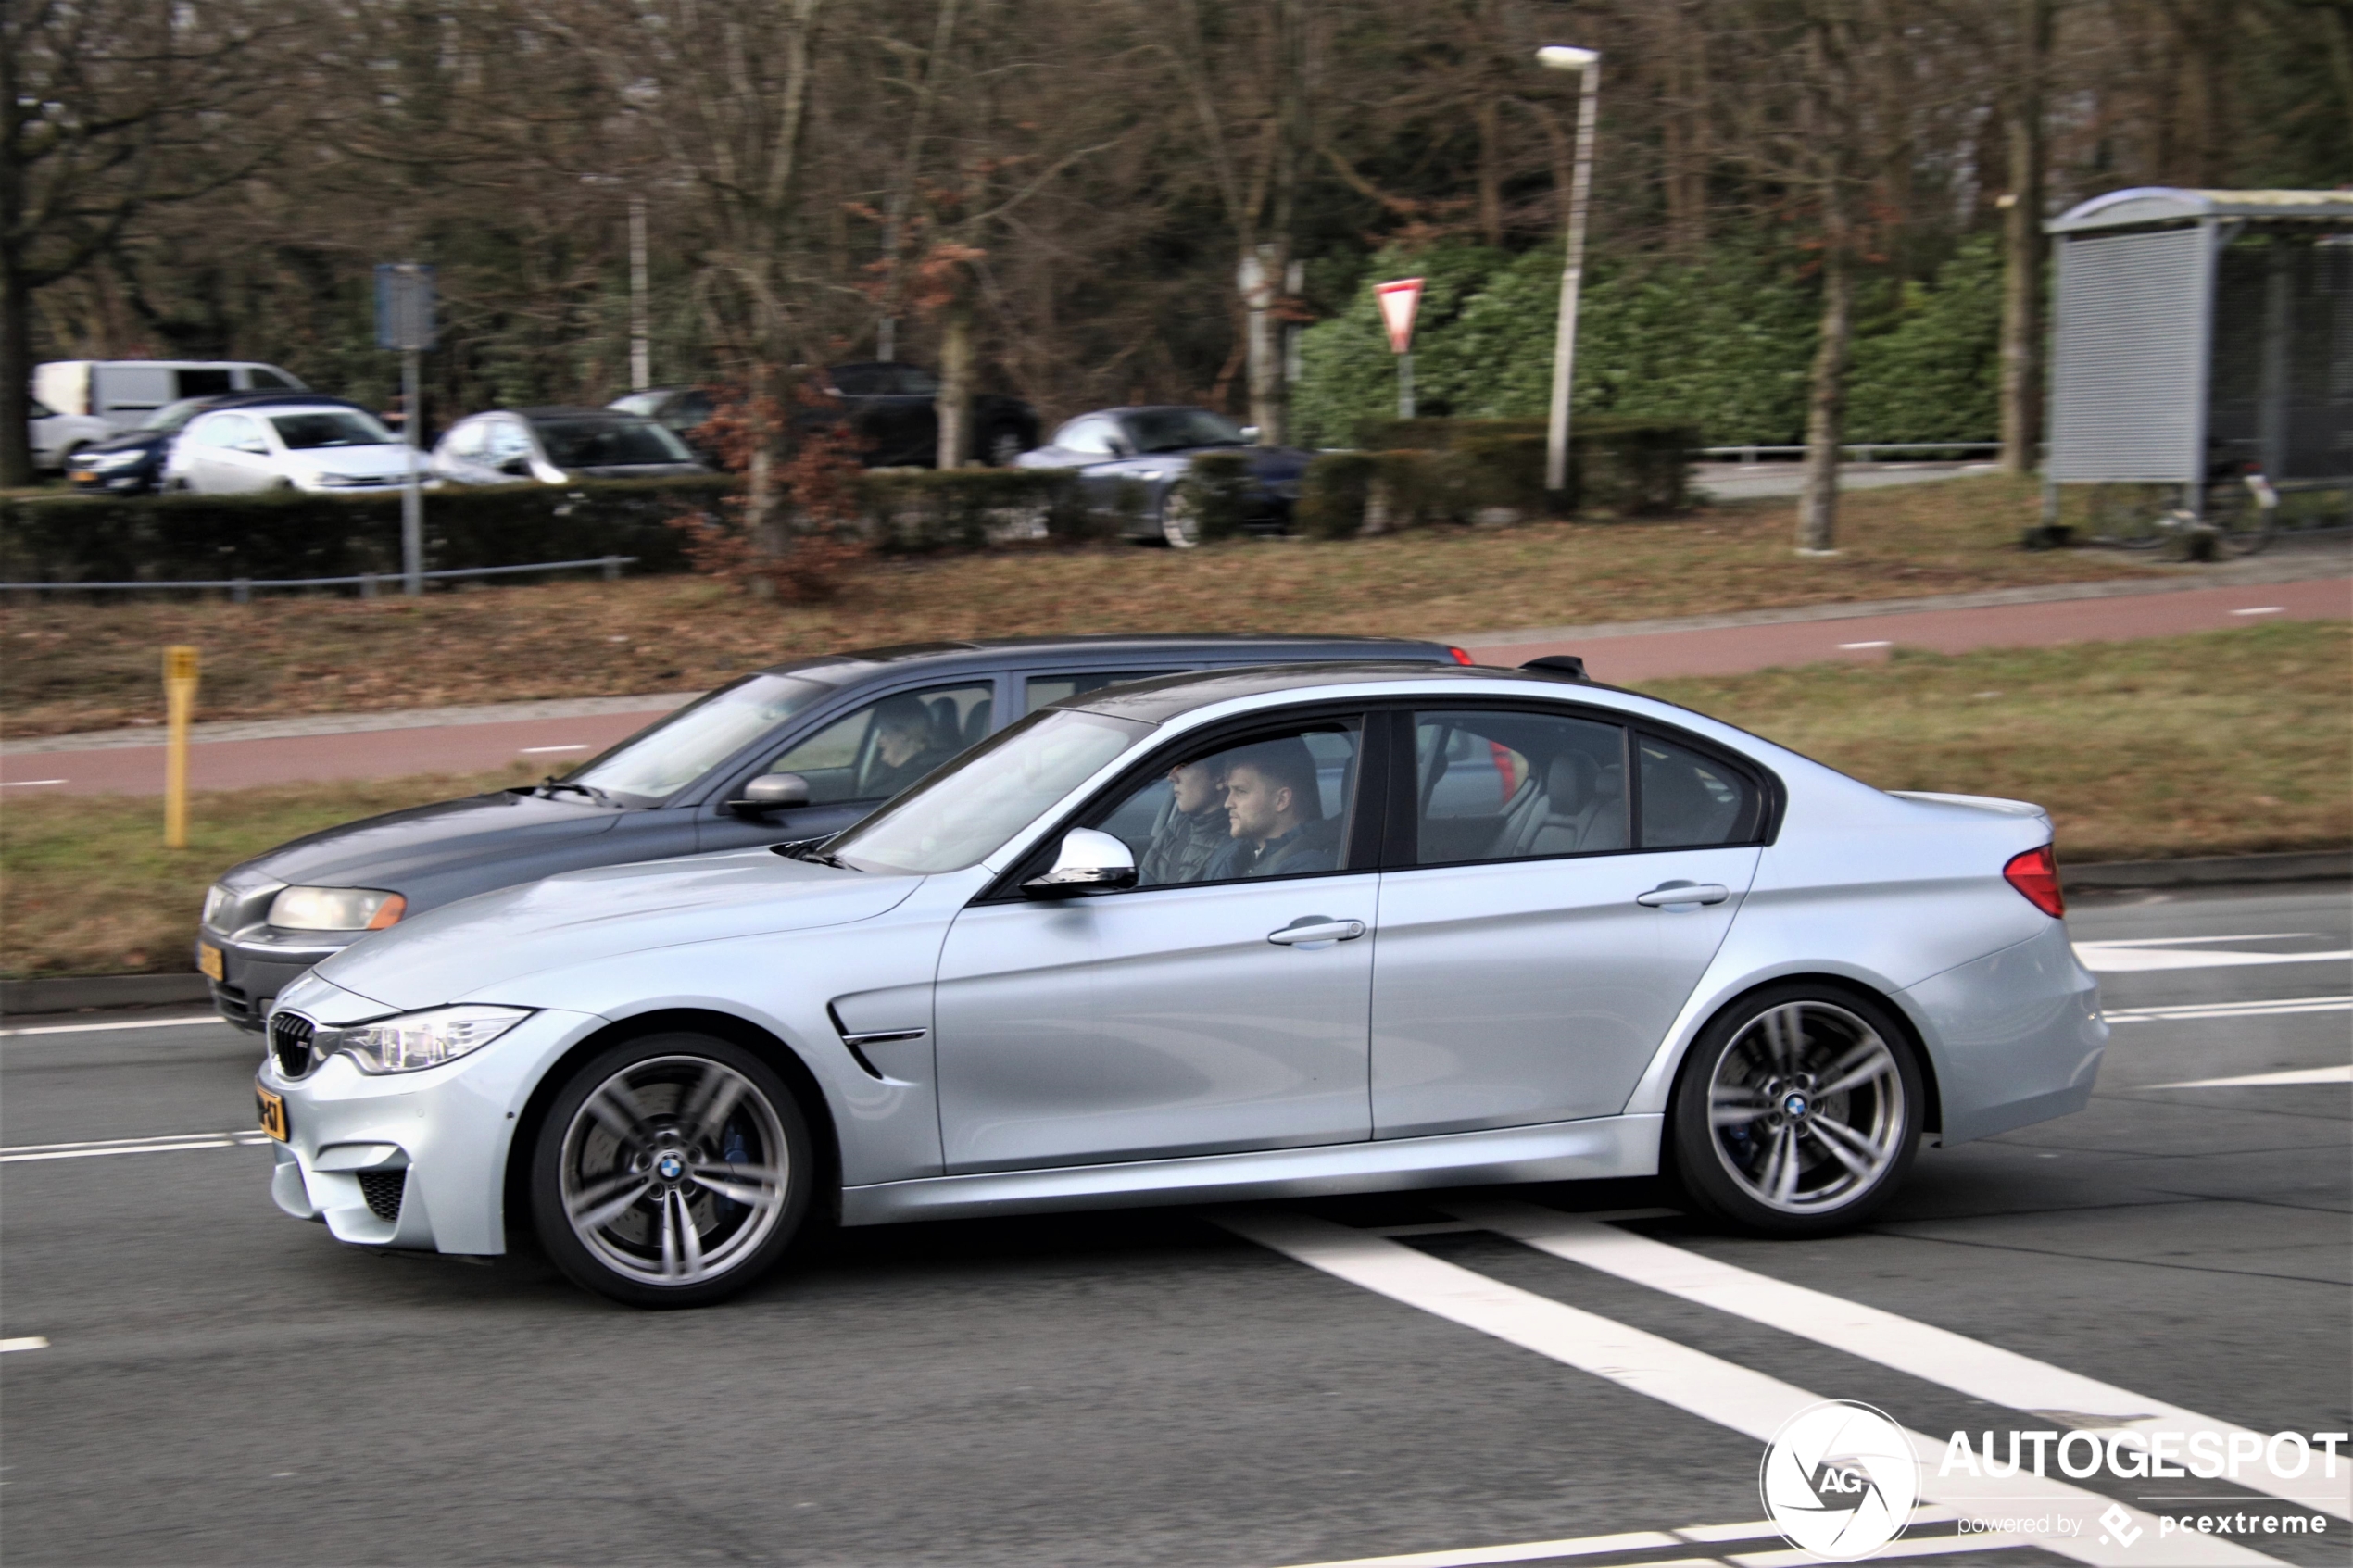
(2035, 874)
(1462, 658)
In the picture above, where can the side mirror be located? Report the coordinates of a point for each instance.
(771, 791)
(1088, 863)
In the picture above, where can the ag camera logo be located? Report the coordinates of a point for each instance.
(1839, 1480)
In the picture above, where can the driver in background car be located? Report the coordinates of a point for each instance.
(906, 747)
(1196, 828)
(1275, 814)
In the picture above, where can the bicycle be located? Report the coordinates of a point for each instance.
(2239, 504)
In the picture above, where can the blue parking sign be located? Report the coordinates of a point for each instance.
(404, 306)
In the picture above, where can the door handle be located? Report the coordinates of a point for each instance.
(1317, 930)
(1683, 893)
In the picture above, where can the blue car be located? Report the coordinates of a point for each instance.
(1130, 462)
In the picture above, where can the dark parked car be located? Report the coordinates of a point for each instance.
(1131, 462)
(131, 463)
(891, 408)
(556, 445)
(798, 751)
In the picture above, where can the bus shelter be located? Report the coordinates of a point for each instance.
(2198, 332)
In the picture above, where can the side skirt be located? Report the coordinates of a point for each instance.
(1590, 1150)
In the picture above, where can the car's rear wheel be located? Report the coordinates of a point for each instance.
(1798, 1111)
(670, 1171)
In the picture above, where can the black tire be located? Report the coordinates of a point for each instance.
(681, 1241)
(2241, 522)
(1778, 1172)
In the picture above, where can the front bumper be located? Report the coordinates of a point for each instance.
(255, 968)
(412, 1160)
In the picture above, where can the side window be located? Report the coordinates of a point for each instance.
(263, 376)
(877, 751)
(204, 384)
(1089, 436)
(233, 432)
(1043, 690)
(1277, 804)
(1509, 786)
(1690, 799)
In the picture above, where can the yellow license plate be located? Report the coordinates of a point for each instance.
(273, 1112)
(208, 961)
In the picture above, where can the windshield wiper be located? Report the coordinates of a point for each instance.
(807, 849)
(552, 784)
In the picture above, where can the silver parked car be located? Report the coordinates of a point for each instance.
(329, 447)
(1125, 952)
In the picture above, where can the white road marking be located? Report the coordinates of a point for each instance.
(1882, 643)
(542, 750)
(1652, 1540)
(26, 1342)
(2263, 609)
(194, 1018)
(2264, 1008)
(2343, 1074)
(2194, 941)
(2118, 958)
(167, 1143)
(27, 784)
(1928, 1545)
(1917, 1350)
(1715, 1390)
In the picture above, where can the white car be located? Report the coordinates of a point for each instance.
(1239, 933)
(330, 449)
(56, 437)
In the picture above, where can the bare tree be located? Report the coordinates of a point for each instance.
(2021, 400)
(107, 109)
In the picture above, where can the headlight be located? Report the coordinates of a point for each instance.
(214, 897)
(106, 462)
(335, 908)
(417, 1040)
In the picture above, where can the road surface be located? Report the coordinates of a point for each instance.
(204, 1380)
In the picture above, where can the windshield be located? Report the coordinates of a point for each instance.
(1174, 430)
(333, 427)
(964, 813)
(637, 403)
(595, 443)
(654, 765)
(171, 415)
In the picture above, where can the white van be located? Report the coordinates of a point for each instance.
(123, 392)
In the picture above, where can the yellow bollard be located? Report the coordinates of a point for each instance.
(180, 700)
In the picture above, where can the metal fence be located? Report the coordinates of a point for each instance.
(369, 584)
(1751, 454)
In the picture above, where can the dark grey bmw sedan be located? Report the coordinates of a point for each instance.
(798, 751)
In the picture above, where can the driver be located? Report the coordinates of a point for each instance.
(1196, 828)
(904, 748)
(1275, 814)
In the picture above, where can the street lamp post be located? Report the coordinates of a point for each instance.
(1562, 56)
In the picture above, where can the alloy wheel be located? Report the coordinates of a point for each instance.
(1806, 1108)
(1180, 520)
(675, 1170)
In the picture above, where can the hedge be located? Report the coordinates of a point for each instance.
(164, 538)
(1436, 470)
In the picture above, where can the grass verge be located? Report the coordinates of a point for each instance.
(2232, 742)
(66, 668)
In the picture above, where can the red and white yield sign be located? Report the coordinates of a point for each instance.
(1398, 302)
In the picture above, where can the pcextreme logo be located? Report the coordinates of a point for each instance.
(1839, 1480)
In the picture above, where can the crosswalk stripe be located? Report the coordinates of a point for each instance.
(161, 1143)
(2341, 1073)
(2104, 957)
(1714, 1390)
(1755, 1535)
(2265, 1008)
(1917, 1350)
(189, 1021)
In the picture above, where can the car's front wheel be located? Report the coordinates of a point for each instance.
(1798, 1111)
(670, 1171)
(1179, 518)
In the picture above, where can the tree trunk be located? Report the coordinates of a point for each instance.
(953, 406)
(763, 519)
(1491, 168)
(1262, 341)
(1826, 407)
(16, 369)
(2022, 245)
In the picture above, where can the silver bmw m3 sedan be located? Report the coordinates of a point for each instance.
(1239, 933)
